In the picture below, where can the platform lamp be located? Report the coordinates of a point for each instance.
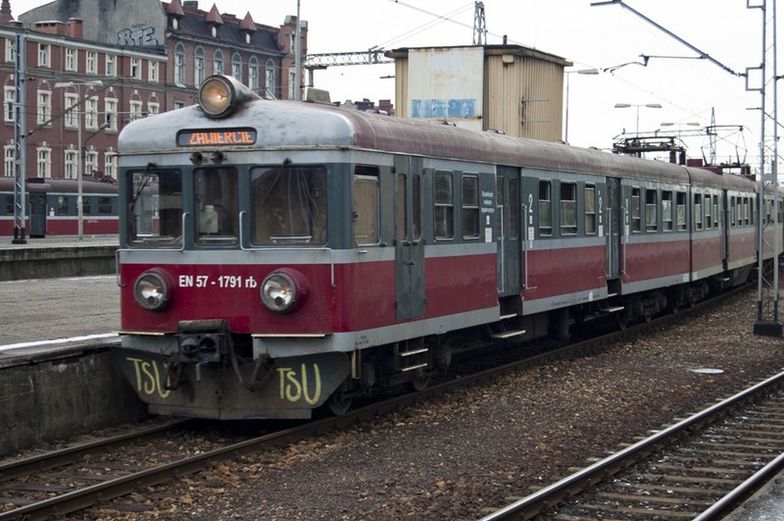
(79, 162)
(637, 106)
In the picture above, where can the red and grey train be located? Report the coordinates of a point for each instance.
(279, 256)
(52, 210)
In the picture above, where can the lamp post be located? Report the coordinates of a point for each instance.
(566, 111)
(79, 162)
(637, 106)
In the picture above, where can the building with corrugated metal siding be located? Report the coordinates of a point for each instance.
(511, 88)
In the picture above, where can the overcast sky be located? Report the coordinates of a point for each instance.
(591, 37)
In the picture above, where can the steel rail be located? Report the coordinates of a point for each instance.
(88, 496)
(561, 490)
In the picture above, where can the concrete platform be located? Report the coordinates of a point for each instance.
(57, 257)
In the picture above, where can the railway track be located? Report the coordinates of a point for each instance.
(73, 481)
(697, 469)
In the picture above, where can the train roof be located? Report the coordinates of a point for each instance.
(290, 124)
(59, 186)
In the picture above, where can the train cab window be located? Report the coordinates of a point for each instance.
(666, 209)
(444, 209)
(545, 209)
(289, 205)
(590, 209)
(680, 211)
(155, 208)
(708, 207)
(364, 211)
(568, 207)
(635, 210)
(698, 211)
(651, 207)
(215, 206)
(470, 207)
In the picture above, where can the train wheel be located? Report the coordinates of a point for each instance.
(339, 403)
(420, 383)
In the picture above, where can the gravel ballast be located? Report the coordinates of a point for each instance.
(452, 456)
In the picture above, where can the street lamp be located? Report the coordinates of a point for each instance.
(637, 106)
(79, 162)
(580, 71)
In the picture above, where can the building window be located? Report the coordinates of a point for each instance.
(236, 66)
(136, 68)
(444, 208)
(44, 107)
(9, 158)
(111, 65)
(91, 62)
(198, 66)
(136, 110)
(152, 71)
(179, 105)
(217, 62)
(43, 55)
(153, 107)
(270, 81)
(44, 154)
(666, 205)
(71, 163)
(110, 108)
(91, 113)
(9, 104)
(91, 161)
(179, 64)
(590, 210)
(10, 49)
(651, 222)
(110, 164)
(71, 117)
(70, 59)
(470, 206)
(253, 74)
(568, 208)
(292, 86)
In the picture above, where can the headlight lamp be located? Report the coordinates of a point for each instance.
(279, 292)
(219, 95)
(151, 291)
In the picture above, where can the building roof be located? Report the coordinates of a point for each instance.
(490, 50)
(196, 23)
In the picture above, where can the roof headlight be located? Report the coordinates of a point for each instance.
(284, 290)
(151, 291)
(219, 95)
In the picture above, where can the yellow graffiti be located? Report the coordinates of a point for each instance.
(295, 387)
(148, 377)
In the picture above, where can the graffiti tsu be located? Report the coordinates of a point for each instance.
(137, 36)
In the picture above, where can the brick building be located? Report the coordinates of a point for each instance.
(112, 62)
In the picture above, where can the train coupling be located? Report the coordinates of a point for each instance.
(200, 342)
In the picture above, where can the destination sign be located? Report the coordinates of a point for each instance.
(227, 136)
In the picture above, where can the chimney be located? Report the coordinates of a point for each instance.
(75, 28)
(5, 13)
(193, 4)
(50, 27)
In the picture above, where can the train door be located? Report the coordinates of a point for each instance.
(507, 221)
(409, 246)
(37, 214)
(724, 216)
(614, 213)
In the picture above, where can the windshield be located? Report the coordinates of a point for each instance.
(155, 208)
(289, 205)
(217, 215)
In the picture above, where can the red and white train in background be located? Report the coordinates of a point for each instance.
(278, 256)
(52, 211)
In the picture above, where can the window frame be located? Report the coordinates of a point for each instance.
(570, 229)
(448, 207)
(469, 209)
(636, 193)
(541, 230)
(364, 174)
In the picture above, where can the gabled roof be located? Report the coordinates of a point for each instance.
(174, 8)
(214, 16)
(247, 23)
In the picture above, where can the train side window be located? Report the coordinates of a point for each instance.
(364, 213)
(8, 204)
(698, 211)
(289, 205)
(62, 205)
(416, 209)
(746, 211)
(401, 208)
(708, 206)
(155, 208)
(216, 206)
(470, 207)
(444, 208)
(590, 209)
(739, 211)
(500, 200)
(651, 206)
(666, 204)
(732, 212)
(514, 208)
(752, 204)
(716, 211)
(680, 211)
(635, 211)
(105, 205)
(545, 209)
(87, 205)
(568, 207)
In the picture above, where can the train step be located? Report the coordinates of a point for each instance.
(603, 313)
(507, 334)
(413, 352)
(413, 367)
(510, 315)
